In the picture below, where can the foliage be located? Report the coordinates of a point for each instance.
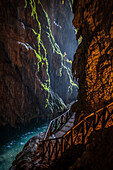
(39, 55)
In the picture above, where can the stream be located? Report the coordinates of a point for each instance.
(9, 150)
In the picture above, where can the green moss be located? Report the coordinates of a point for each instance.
(79, 40)
(41, 58)
(70, 3)
(56, 49)
(25, 4)
(50, 35)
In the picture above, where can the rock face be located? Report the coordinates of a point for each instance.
(93, 61)
(98, 153)
(34, 71)
(30, 156)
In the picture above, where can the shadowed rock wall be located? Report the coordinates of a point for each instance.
(34, 74)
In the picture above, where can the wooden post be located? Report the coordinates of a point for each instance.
(66, 116)
(83, 136)
(62, 146)
(94, 121)
(72, 134)
(107, 114)
(56, 149)
(49, 132)
(103, 120)
(55, 124)
(49, 151)
(43, 150)
(61, 120)
(85, 127)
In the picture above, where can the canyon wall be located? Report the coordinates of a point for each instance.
(93, 61)
(35, 72)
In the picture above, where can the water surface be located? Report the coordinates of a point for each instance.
(10, 149)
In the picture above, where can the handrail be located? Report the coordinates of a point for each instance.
(47, 130)
(56, 146)
(92, 114)
(67, 114)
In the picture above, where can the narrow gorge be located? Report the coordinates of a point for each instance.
(37, 46)
(56, 84)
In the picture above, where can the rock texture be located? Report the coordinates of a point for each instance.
(98, 153)
(32, 65)
(29, 157)
(93, 61)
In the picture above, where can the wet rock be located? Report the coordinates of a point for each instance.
(27, 84)
(30, 156)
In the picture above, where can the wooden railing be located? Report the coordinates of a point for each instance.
(57, 123)
(78, 134)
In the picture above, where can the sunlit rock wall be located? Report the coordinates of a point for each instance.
(93, 61)
(34, 74)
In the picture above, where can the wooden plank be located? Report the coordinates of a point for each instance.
(69, 133)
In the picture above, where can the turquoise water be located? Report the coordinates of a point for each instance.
(9, 150)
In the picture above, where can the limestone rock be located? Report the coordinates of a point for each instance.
(93, 61)
(34, 82)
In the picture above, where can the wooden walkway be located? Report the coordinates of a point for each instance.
(65, 128)
(62, 133)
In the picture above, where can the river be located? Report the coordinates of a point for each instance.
(10, 149)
